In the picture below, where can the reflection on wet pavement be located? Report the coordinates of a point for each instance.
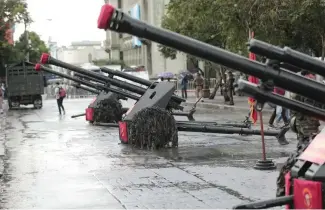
(54, 161)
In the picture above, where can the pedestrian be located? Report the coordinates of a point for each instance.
(198, 84)
(229, 89)
(281, 92)
(184, 83)
(1, 100)
(60, 94)
(306, 128)
(3, 88)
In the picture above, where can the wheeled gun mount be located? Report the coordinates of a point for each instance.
(263, 96)
(287, 55)
(115, 20)
(174, 101)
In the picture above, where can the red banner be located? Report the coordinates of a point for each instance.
(308, 194)
(251, 101)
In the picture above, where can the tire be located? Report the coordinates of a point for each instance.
(9, 104)
(38, 103)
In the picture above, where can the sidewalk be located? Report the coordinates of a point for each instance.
(241, 104)
(2, 141)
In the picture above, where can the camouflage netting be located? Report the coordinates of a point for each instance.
(108, 111)
(301, 147)
(153, 128)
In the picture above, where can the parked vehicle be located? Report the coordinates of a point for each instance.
(24, 85)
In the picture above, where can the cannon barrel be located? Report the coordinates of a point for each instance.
(287, 55)
(39, 67)
(290, 67)
(83, 77)
(118, 21)
(127, 76)
(86, 88)
(266, 96)
(47, 59)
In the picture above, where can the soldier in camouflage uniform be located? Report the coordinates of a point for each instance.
(306, 128)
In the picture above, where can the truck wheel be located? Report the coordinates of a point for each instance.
(9, 104)
(38, 103)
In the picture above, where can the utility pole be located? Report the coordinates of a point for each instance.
(26, 21)
(27, 42)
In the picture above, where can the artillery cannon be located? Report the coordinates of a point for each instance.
(304, 184)
(102, 116)
(106, 106)
(146, 114)
(117, 21)
(149, 123)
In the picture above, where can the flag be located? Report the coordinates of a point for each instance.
(251, 101)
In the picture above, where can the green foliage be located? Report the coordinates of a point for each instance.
(35, 47)
(11, 12)
(299, 24)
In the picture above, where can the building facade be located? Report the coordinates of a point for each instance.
(78, 53)
(135, 52)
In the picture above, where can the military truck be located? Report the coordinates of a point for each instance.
(24, 85)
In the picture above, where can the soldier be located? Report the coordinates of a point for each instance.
(306, 128)
(229, 88)
(198, 84)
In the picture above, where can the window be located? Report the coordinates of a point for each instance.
(119, 4)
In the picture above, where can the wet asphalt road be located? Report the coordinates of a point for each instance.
(59, 162)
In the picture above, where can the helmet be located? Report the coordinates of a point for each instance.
(293, 124)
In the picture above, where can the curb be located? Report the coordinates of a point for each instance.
(208, 106)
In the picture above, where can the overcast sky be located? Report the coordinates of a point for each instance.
(71, 20)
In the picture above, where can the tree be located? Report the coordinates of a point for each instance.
(196, 19)
(35, 47)
(11, 12)
(311, 35)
